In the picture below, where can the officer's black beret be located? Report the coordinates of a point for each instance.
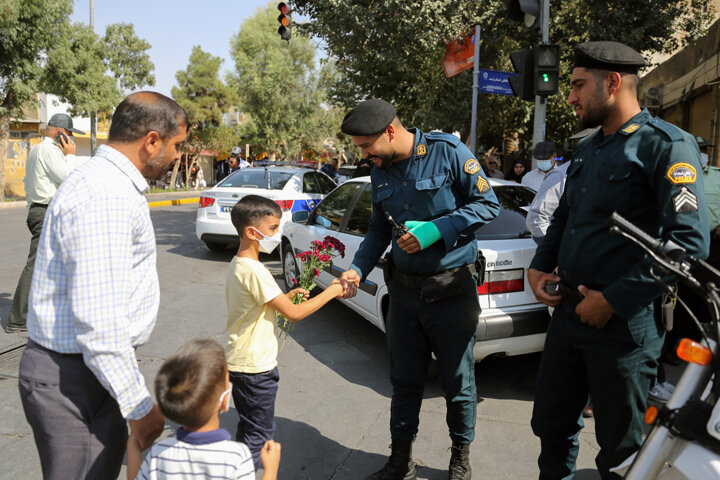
(368, 118)
(612, 56)
(544, 150)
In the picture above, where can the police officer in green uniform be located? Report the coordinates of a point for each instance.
(711, 183)
(431, 183)
(603, 339)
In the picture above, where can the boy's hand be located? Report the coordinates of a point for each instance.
(338, 287)
(270, 457)
(295, 291)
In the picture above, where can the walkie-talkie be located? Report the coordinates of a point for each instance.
(400, 230)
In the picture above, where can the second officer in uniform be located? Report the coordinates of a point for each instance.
(435, 186)
(604, 339)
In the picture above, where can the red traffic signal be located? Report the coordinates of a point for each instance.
(284, 19)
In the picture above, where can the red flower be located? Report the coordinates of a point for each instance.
(335, 244)
(317, 244)
(324, 258)
(294, 281)
(316, 272)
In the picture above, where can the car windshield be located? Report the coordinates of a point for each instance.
(256, 179)
(510, 222)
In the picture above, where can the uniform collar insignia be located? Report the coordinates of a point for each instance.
(631, 128)
(421, 149)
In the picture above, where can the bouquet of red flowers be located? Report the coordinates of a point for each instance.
(313, 262)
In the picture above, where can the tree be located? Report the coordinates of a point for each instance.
(205, 98)
(29, 28)
(279, 87)
(394, 48)
(41, 51)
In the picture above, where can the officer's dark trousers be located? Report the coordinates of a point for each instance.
(19, 309)
(416, 329)
(614, 366)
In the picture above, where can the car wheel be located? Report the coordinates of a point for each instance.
(216, 246)
(290, 268)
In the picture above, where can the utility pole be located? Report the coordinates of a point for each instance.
(540, 105)
(476, 87)
(93, 115)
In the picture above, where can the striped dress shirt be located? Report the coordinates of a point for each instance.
(95, 287)
(198, 455)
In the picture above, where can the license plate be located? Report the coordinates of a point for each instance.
(225, 208)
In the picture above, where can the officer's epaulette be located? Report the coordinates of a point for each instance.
(673, 133)
(446, 137)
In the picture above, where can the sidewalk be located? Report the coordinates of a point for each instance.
(162, 199)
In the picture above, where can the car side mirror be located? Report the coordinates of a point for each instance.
(301, 216)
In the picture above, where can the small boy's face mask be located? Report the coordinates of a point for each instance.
(268, 244)
(222, 397)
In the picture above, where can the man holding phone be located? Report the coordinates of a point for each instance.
(48, 163)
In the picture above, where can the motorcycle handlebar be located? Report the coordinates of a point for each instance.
(617, 221)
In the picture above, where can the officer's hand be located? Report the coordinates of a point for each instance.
(409, 243)
(69, 147)
(349, 281)
(537, 280)
(594, 310)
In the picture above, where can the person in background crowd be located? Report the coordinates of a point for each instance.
(95, 298)
(363, 168)
(48, 163)
(546, 201)
(517, 171)
(331, 169)
(493, 167)
(544, 154)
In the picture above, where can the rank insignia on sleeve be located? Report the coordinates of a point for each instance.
(631, 128)
(421, 149)
(482, 185)
(472, 166)
(685, 201)
(681, 173)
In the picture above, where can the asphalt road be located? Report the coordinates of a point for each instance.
(333, 403)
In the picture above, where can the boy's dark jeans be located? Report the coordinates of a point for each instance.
(254, 396)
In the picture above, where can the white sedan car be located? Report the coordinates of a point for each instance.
(294, 189)
(512, 321)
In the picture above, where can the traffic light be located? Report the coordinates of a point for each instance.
(526, 11)
(522, 83)
(284, 19)
(546, 69)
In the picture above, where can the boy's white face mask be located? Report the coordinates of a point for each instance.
(268, 244)
(222, 397)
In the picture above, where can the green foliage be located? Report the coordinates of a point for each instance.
(28, 28)
(280, 87)
(125, 55)
(394, 49)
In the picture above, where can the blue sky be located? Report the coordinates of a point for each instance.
(174, 27)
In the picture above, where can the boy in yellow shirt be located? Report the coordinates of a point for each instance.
(253, 298)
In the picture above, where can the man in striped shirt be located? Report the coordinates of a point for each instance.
(95, 296)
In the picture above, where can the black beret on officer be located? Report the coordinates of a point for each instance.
(612, 56)
(368, 118)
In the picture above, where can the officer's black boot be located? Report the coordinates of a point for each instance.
(400, 465)
(459, 468)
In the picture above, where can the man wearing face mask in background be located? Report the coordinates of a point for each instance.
(544, 155)
(433, 184)
(548, 193)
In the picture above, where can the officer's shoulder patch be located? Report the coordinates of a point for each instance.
(482, 185)
(672, 132)
(472, 166)
(685, 201)
(631, 128)
(681, 173)
(421, 149)
(442, 136)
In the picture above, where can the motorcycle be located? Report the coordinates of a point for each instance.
(684, 442)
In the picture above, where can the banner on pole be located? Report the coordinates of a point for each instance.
(491, 81)
(459, 55)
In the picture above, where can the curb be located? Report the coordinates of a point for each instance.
(159, 203)
(167, 203)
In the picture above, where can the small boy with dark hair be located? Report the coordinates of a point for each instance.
(253, 298)
(192, 388)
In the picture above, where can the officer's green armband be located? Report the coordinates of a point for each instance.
(425, 232)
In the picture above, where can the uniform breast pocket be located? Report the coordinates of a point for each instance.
(436, 191)
(612, 192)
(379, 196)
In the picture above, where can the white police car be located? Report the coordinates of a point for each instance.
(512, 321)
(294, 189)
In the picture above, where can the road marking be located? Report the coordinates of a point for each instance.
(167, 203)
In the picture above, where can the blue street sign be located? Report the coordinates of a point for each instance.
(491, 81)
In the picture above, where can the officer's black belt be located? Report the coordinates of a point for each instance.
(570, 295)
(415, 280)
(41, 205)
